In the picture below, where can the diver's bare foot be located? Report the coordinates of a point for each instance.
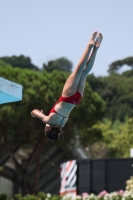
(99, 40)
(92, 39)
(35, 112)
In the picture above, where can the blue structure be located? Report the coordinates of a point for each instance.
(9, 91)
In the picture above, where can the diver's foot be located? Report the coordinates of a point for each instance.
(98, 40)
(92, 39)
(34, 113)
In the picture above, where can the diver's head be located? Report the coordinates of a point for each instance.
(53, 132)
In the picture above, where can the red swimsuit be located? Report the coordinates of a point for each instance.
(74, 99)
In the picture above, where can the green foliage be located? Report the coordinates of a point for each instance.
(1, 168)
(31, 197)
(90, 110)
(116, 91)
(4, 197)
(41, 90)
(115, 66)
(60, 64)
(40, 196)
(38, 92)
(19, 61)
(18, 197)
(117, 195)
(116, 140)
(128, 73)
(111, 94)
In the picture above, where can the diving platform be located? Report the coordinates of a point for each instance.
(9, 91)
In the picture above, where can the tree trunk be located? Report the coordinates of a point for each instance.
(41, 145)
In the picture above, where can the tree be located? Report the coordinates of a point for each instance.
(60, 64)
(116, 91)
(96, 83)
(20, 61)
(116, 140)
(128, 73)
(115, 66)
(41, 90)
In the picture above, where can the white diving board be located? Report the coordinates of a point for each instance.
(9, 91)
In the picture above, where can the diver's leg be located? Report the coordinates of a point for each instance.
(89, 65)
(92, 57)
(72, 82)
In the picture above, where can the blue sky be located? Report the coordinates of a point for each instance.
(48, 29)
